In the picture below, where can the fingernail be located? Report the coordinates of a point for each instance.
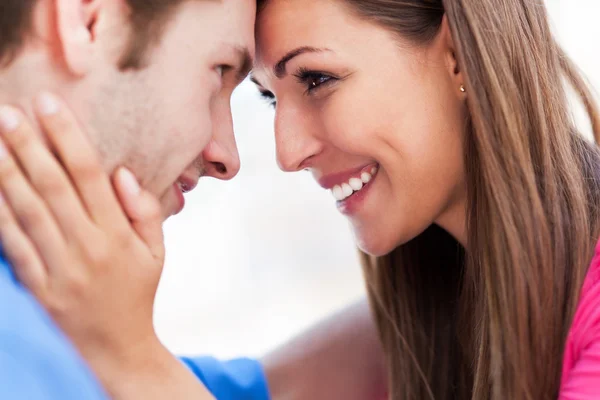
(130, 182)
(9, 119)
(46, 104)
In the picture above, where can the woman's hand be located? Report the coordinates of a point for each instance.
(93, 264)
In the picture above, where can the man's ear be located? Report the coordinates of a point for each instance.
(75, 20)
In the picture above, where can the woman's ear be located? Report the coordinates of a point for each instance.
(75, 20)
(454, 68)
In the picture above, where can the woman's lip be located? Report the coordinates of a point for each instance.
(331, 180)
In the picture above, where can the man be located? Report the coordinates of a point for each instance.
(150, 81)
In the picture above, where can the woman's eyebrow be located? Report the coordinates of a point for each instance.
(280, 67)
(254, 80)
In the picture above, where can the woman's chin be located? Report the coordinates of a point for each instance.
(381, 242)
(373, 245)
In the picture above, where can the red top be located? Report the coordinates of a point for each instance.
(581, 366)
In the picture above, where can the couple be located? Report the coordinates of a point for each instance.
(441, 127)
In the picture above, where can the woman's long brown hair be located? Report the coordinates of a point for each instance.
(491, 322)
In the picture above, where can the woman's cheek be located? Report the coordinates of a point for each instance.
(347, 128)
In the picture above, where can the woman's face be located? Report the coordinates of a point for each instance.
(377, 121)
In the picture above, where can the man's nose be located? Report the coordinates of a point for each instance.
(221, 157)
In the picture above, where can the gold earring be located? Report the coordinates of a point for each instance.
(462, 88)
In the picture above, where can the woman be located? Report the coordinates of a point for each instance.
(443, 130)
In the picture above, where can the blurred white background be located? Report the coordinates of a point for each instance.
(254, 261)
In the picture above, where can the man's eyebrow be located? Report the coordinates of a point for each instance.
(246, 61)
(280, 68)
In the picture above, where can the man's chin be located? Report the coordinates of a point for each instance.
(167, 213)
(172, 202)
(169, 210)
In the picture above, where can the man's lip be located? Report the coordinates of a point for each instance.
(187, 184)
(180, 200)
(338, 178)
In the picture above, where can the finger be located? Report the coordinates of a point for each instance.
(143, 211)
(44, 174)
(21, 253)
(28, 209)
(81, 162)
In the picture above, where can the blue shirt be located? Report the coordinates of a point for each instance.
(37, 361)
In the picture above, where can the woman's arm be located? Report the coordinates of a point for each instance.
(340, 358)
(156, 374)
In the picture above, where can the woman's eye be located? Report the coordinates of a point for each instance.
(314, 82)
(313, 79)
(269, 98)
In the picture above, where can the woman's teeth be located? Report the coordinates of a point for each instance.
(366, 177)
(347, 189)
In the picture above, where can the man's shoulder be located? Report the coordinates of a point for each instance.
(241, 378)
(34, 354)
(22, 318)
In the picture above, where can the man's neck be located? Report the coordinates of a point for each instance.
(28, 75)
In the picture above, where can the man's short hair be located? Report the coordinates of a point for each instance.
(148, 18)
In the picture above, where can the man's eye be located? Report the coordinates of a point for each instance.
(223, 69)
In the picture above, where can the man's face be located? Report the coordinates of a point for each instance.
(170, 121)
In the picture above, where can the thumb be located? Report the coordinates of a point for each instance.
(143, 211)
